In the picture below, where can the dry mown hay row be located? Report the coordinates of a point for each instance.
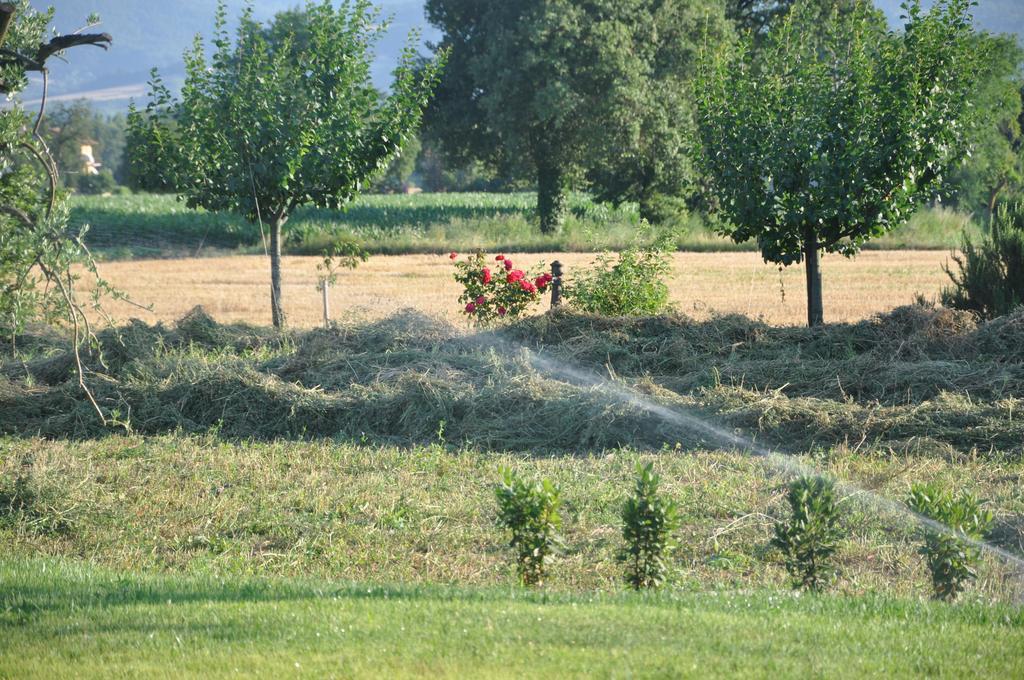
(916, 374)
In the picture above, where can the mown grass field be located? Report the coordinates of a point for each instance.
(236, 288)
(261, 496)
(148, 225)
(426, 514)
(62, 619)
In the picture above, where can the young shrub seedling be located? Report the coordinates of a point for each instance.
(949, 552)
(648, 520)
(530, 513)
(810, 537)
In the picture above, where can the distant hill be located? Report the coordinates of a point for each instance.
(150, 33)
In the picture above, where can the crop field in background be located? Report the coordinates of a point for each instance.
(236, 288)
(149, 225)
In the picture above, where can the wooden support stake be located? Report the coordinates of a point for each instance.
(327, 304)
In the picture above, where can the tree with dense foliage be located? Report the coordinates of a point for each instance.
(837, 129)
(266, 126)
(38, 256)
(508, 95)
(756, 16)
(995, 168)
(69, 126)
(547, 89)
(639, 128)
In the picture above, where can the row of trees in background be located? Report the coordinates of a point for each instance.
(602, 93)
(566, 92)
(814, 130)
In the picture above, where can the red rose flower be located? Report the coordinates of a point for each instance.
(527, 286)
(499, 258)
(453, 255)
(508, 264)
(486, 275)
(502, 311)
(515, 275)
(480, 300)
(470, 308)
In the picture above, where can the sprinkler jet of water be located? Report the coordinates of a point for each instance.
(780, 462)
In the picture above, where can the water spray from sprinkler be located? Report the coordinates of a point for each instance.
(781, 462)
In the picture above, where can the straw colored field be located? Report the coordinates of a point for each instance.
(236, 288)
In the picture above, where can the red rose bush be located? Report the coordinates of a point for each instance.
(496, 290)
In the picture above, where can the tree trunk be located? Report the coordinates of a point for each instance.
(647, 200)
(7, 12)
(648, 209)
(993, 195)
(276, 308)
(815, 314)
(550, 193)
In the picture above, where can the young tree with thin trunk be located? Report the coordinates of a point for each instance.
(274, 122)
(838, 129)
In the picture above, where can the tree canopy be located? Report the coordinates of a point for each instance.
(559, 89)
(640, 128)
(837, 128)
(275, 120)
(995, 168)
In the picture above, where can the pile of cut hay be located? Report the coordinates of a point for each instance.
(919, 378)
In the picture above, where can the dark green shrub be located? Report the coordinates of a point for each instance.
(950, 548)
(990, 276)
(811, 535)
(648, 520)
(102, 183)
(633, 286)
(530, 513)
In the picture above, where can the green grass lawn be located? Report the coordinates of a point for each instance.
(256, 477)
(147, 225)
(68, 619)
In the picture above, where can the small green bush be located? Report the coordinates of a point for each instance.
(811, 536)
(633, 286)
(102, 183)
(949, 543)
(530, 513)
(990, 276)
(648, 520)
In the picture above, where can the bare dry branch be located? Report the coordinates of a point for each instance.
(65, 42)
